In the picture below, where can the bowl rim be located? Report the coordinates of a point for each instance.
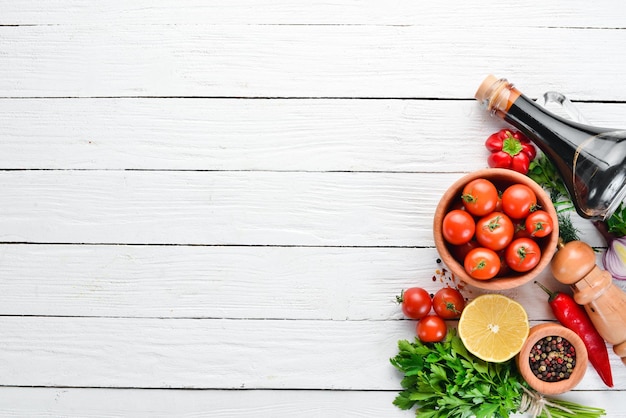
(535, 334)
(501, 283)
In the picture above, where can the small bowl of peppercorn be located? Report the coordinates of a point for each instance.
(553, 360)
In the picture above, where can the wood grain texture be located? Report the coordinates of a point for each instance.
(232, 134)
(483, 14)
(228, 282)
(304, 61)
(88, 403)
(210, 353)
(225, 208)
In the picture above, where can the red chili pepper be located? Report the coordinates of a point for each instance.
(510, 149)
(573, 316)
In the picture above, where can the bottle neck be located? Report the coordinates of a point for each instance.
(497, 95)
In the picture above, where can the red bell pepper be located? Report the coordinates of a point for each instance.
(573, 316)
(510, 149)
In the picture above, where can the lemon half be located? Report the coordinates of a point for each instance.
(493, 327)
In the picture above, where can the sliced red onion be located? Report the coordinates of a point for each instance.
(614, 258)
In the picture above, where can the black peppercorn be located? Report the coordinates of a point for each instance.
(552, 359)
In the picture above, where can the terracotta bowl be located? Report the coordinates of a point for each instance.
(502, 178)
(552, 388)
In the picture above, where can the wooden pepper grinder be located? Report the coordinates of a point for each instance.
(575, 264)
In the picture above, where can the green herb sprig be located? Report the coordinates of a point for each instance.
(445, 380)
(617, 222)
(545, 174)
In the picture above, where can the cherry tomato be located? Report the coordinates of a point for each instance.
(504, 267)
(520, 229)
(416, 302)
(480, 197)
(458, 227)
(495, 231)
(499, 204)
(522, 254)
(539, 224)
(518, 201)
(460, 251)
(448, 303)
(482, 263)
(431, 329)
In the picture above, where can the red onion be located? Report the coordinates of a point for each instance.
(614, 259)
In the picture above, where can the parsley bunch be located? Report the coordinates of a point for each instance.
(445, 380)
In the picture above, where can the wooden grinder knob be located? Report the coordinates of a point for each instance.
(575, 264)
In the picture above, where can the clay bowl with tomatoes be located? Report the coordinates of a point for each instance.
(496, 229)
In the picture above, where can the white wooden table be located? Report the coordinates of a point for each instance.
(208, 207)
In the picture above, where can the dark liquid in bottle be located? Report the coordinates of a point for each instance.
(591, 160)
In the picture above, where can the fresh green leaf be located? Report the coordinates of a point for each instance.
(422, 396)
(546, 175)
(481, 367)
(403, 400)
(617, 221)
(439, 371)
(486, 410)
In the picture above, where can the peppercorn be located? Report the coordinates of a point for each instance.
(552, 359)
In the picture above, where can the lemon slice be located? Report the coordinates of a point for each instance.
(493, 327)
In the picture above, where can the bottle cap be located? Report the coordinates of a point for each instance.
(485, 89)
(494, 93)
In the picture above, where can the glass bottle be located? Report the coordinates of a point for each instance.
(591, 160)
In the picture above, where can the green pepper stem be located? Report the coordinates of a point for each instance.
(548, 291)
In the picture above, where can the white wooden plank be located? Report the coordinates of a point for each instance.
(227, 282)
(195, 353)
(224, 208)
(86, 403)
(482, 13)
(304, 61)
(234, 134)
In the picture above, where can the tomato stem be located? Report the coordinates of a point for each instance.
(452, 307)
(481, 265)
(400, 297)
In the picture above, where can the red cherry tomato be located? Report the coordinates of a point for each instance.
(499, 204)
(480, 197)
(518, 201)
(416, 302)
(482, 263)
(460, 251)
(495, 231)
(504, 267)
(448, 303)
(522, 255)
(520, 229)
(431, 329)
(539, 224)
(458, 227)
